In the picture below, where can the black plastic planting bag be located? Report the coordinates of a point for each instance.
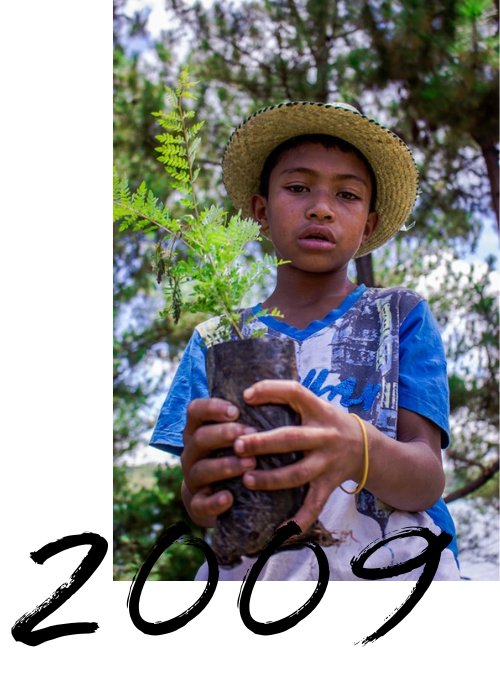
(254, 516)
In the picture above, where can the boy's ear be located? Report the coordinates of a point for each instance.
(370, 226)
(258, 205)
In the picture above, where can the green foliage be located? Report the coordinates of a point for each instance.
(215, 274)
(146, 502)
(135, 210)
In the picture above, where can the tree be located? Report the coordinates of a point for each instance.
(442, 61)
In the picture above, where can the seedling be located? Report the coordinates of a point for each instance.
(216, 271)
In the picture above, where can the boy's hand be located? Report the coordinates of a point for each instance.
(210, 426)
(406, 473)
(331, 440)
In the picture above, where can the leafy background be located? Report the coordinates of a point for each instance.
(430, 70)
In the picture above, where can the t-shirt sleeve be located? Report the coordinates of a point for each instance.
(190, 382)
(423, 379)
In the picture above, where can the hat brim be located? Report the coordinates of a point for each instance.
(390, 158)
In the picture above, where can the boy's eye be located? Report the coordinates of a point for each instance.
(348, 195)
(296, 188)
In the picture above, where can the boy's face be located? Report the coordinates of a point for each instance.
(317, 211)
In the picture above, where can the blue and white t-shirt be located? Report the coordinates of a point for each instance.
(380, 350)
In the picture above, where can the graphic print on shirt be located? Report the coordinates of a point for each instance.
(383, 338)
(315, 382)
(363, 354)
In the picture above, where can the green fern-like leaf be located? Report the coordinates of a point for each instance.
(140, 210)
(179, 143)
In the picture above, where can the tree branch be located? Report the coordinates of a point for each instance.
(472, 486)
(466, 460)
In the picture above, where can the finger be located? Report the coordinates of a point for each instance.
(289, 477)
(312, 507)
(208, 471)
(211, 437)
(283, 391)
(205, 504)
(201, 411)
(283, 440)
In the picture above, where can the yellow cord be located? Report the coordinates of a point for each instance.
(365, 470)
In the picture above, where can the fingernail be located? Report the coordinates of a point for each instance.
(247, 462)
(249, 431)
(223, 499)
(248, 393)
(238, 446)
(231, 411)
(249, 480)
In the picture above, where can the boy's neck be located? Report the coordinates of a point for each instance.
(303, 298)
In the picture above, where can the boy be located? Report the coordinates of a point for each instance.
(327, 185)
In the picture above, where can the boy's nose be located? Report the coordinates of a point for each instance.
(320, 211)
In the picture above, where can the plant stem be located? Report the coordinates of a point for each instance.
(188, 156)
(154, 222)
(224, 304)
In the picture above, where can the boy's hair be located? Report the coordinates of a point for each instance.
(322, 139)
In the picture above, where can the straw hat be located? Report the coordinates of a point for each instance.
(390, 158)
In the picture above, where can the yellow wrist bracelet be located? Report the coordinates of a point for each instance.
(365, 469)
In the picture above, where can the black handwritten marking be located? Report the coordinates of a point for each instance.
(430, 556)
(165, 540)
(280, 536)
(324, 568)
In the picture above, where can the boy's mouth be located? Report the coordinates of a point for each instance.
(316, 236)
(319, 244)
